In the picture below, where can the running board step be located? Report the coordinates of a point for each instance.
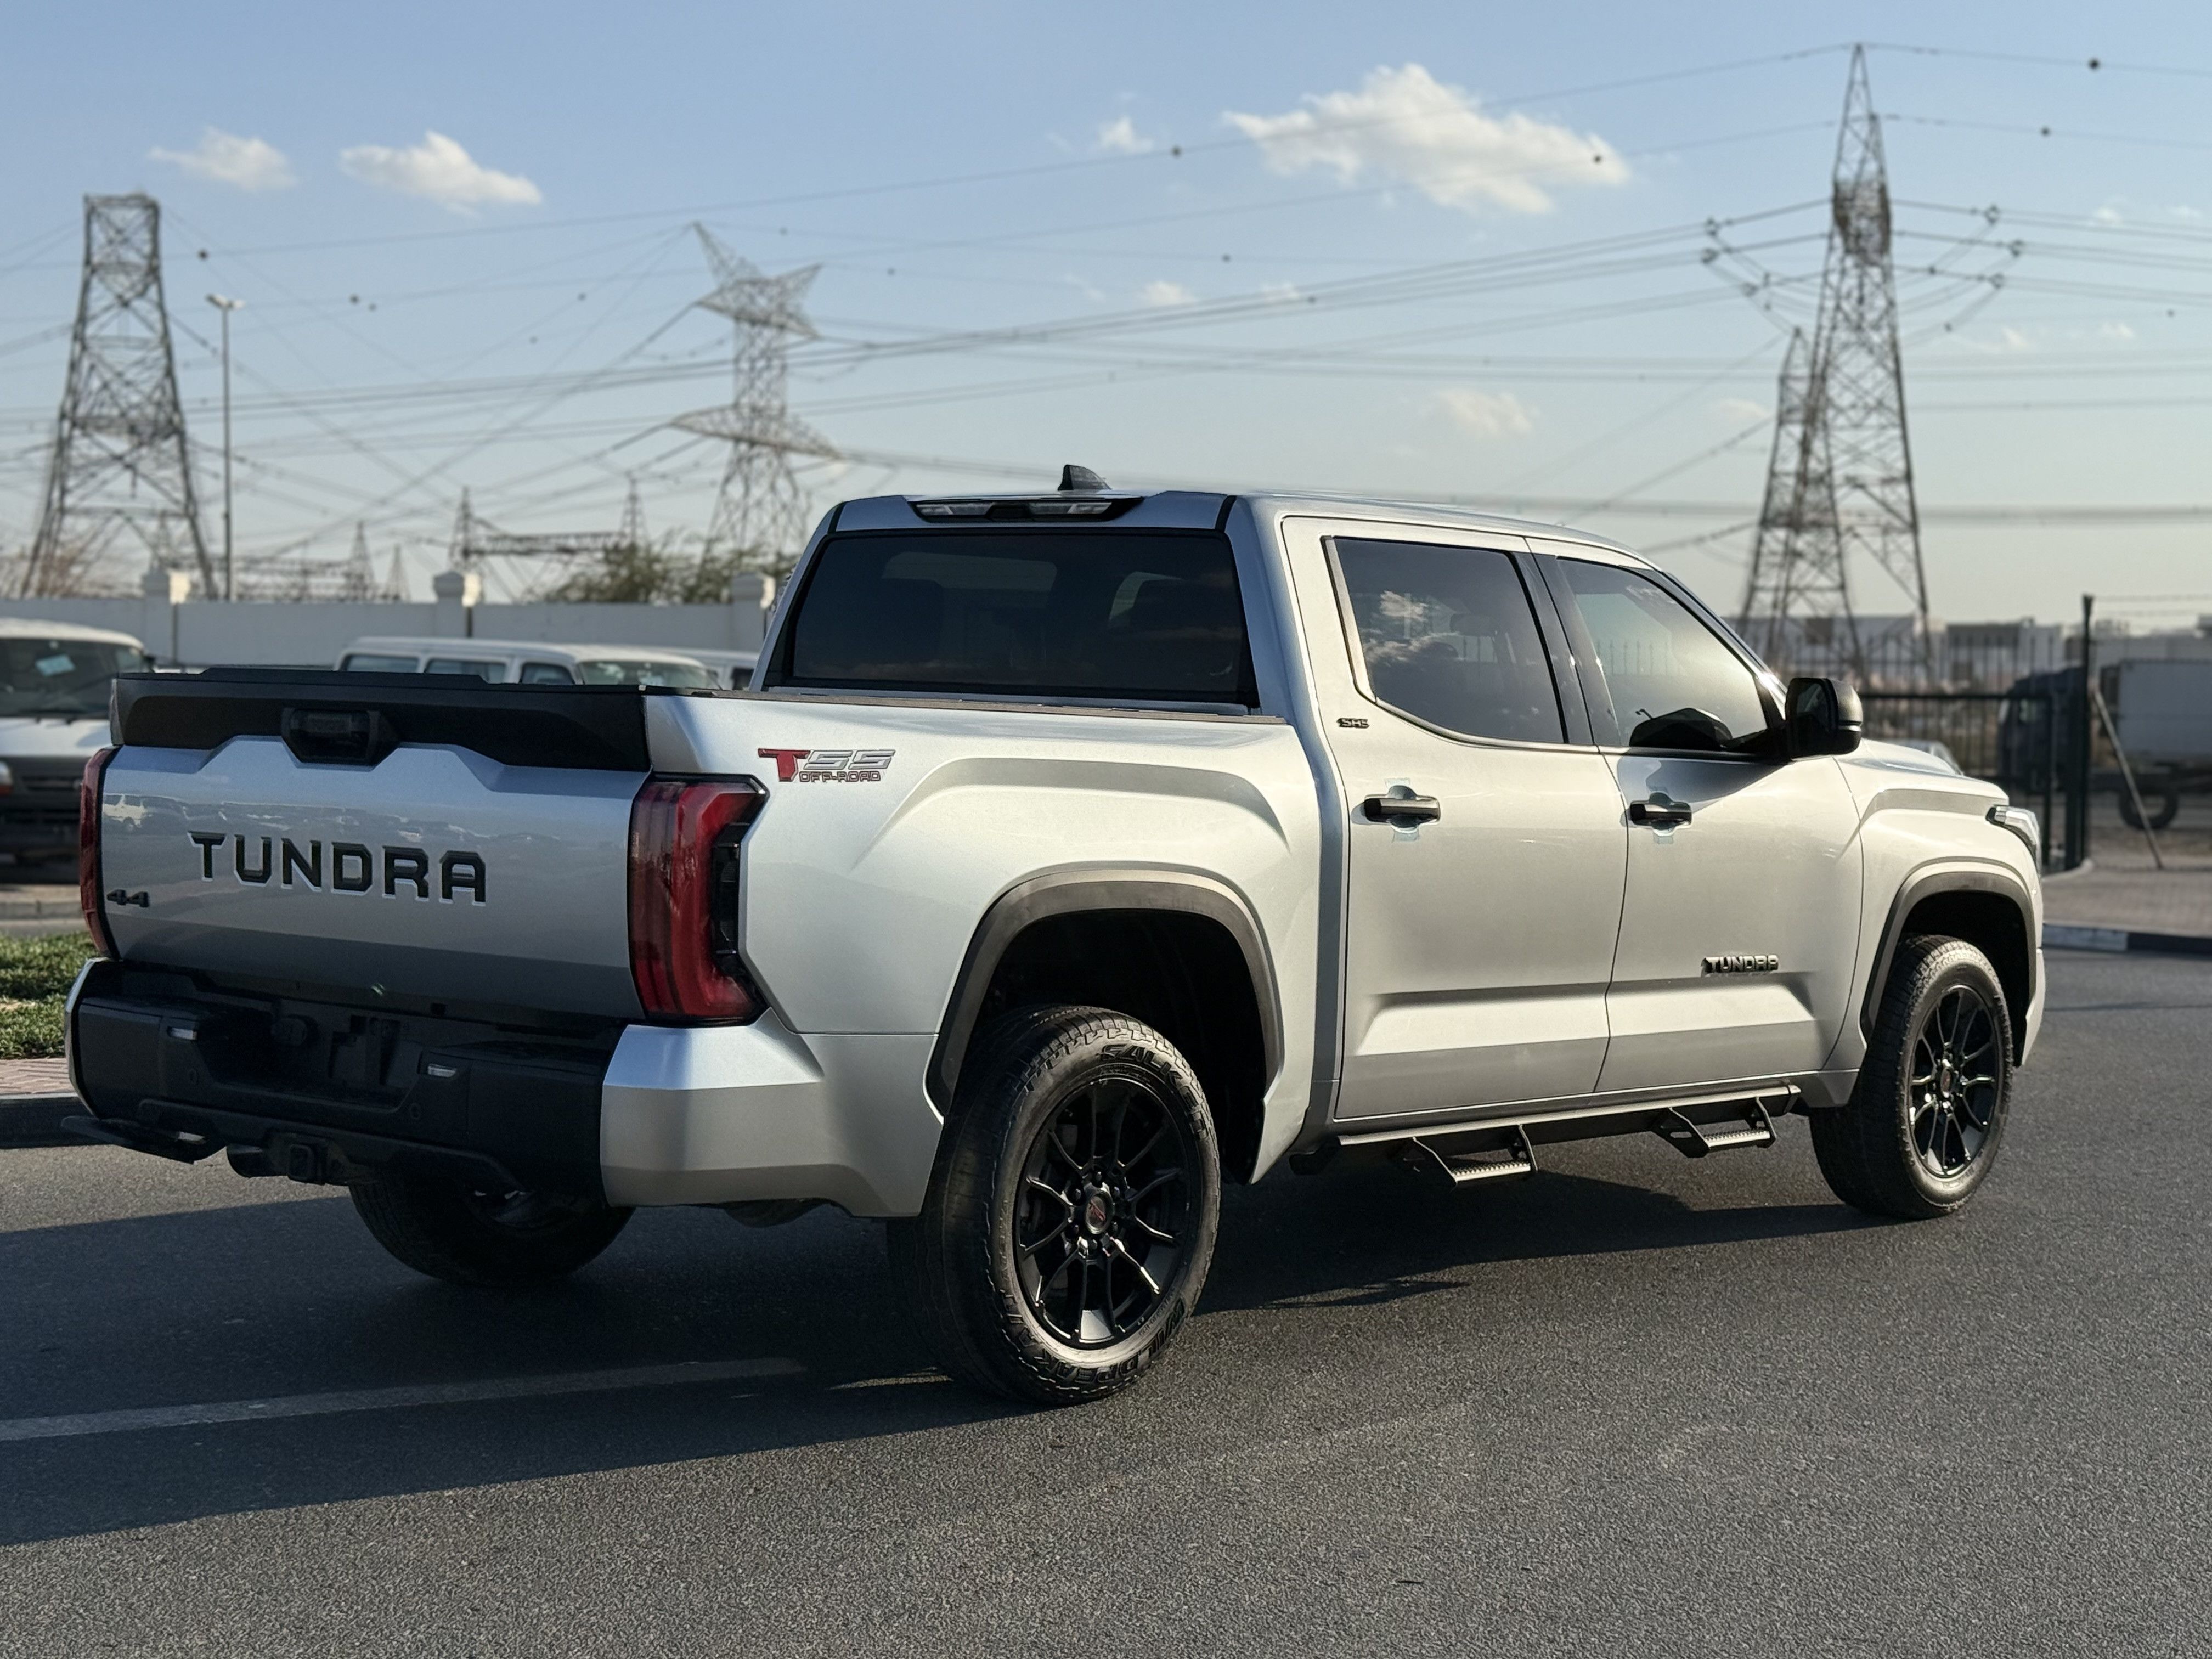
(1691, 1139)
(1515, 1158)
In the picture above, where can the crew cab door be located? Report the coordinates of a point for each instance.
(1482, 912)
(1739, 929)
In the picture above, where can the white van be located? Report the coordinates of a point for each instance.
(529, 662)
(733, 669)
(54, 682)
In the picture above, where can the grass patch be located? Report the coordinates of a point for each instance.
(35, 974)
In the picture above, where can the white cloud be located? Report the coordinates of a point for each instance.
(1742, 411)
(1283, 293)
(227, 158)
(1164, 292)
(437, 168)
(1485, 414)
(2121, 211)
(1119, 137)
(2115, 331)
(1404, 125)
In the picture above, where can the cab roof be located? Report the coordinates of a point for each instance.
(31, 628)
(1182, 509)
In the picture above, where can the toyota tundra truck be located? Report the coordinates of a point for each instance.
(1071, 855)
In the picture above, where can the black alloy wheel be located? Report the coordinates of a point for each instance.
(1070, 1220)
(1104, 1210)
(1926, 1116)
(1954, 1082)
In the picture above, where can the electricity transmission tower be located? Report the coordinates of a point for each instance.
(395, 580)
(761, 513)
(120, 460)
(1839, 489)
(359, 580)
(476, 539)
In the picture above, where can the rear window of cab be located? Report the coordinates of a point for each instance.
(1083, 615)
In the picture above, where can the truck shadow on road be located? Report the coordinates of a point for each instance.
(270, 1301)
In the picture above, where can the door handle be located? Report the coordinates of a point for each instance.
(1659, 813)
(1383, 809)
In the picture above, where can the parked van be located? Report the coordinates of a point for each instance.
(54, 683)
(733, 669)
(529, 662)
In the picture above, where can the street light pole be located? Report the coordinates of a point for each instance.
(229, 575)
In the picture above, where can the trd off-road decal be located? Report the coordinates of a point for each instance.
(829, 765)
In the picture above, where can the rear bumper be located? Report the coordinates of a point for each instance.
(644, 1114)
(722, 1114)
(166, 1062)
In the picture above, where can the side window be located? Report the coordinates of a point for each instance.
(546, 673)
(365, 662)
(482, 668)
(1672, 682)
(1447, 636)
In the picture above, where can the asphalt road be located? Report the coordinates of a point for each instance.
(1637, 1406)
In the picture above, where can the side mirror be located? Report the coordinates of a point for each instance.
(1823, 718)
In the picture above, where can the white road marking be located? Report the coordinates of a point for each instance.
(378, 1400)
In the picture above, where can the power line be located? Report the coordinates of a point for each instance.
(1038, 170)
(2093, 64)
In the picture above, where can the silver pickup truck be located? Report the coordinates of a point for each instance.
(1071, 855)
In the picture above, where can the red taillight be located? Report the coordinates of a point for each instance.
(683, 899)
(89, 790)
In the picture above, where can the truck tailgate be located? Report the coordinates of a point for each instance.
(436, 869)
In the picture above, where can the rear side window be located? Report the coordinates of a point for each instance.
(482, 668)
(546, 673)
(368, 662)
(625, 671)
(1142, 615)
(1447, 636)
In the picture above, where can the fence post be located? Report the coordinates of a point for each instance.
(2049, 768)
(2077, 807)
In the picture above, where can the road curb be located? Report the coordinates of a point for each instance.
(2085, 936)
(36, 1121)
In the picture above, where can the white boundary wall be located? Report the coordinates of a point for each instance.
(199, 633)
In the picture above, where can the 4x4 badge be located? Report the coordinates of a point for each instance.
(829, 765)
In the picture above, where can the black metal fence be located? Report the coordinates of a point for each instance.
(2025, 740)
(1891, 654)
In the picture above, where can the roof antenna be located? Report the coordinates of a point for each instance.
(1081, 480)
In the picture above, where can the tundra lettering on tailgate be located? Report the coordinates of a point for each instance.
(352, 866)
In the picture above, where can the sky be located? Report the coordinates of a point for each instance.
(1547, 256)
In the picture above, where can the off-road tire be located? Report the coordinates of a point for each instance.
(959, 1264)
(449, 1231)
(1873, 1155)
